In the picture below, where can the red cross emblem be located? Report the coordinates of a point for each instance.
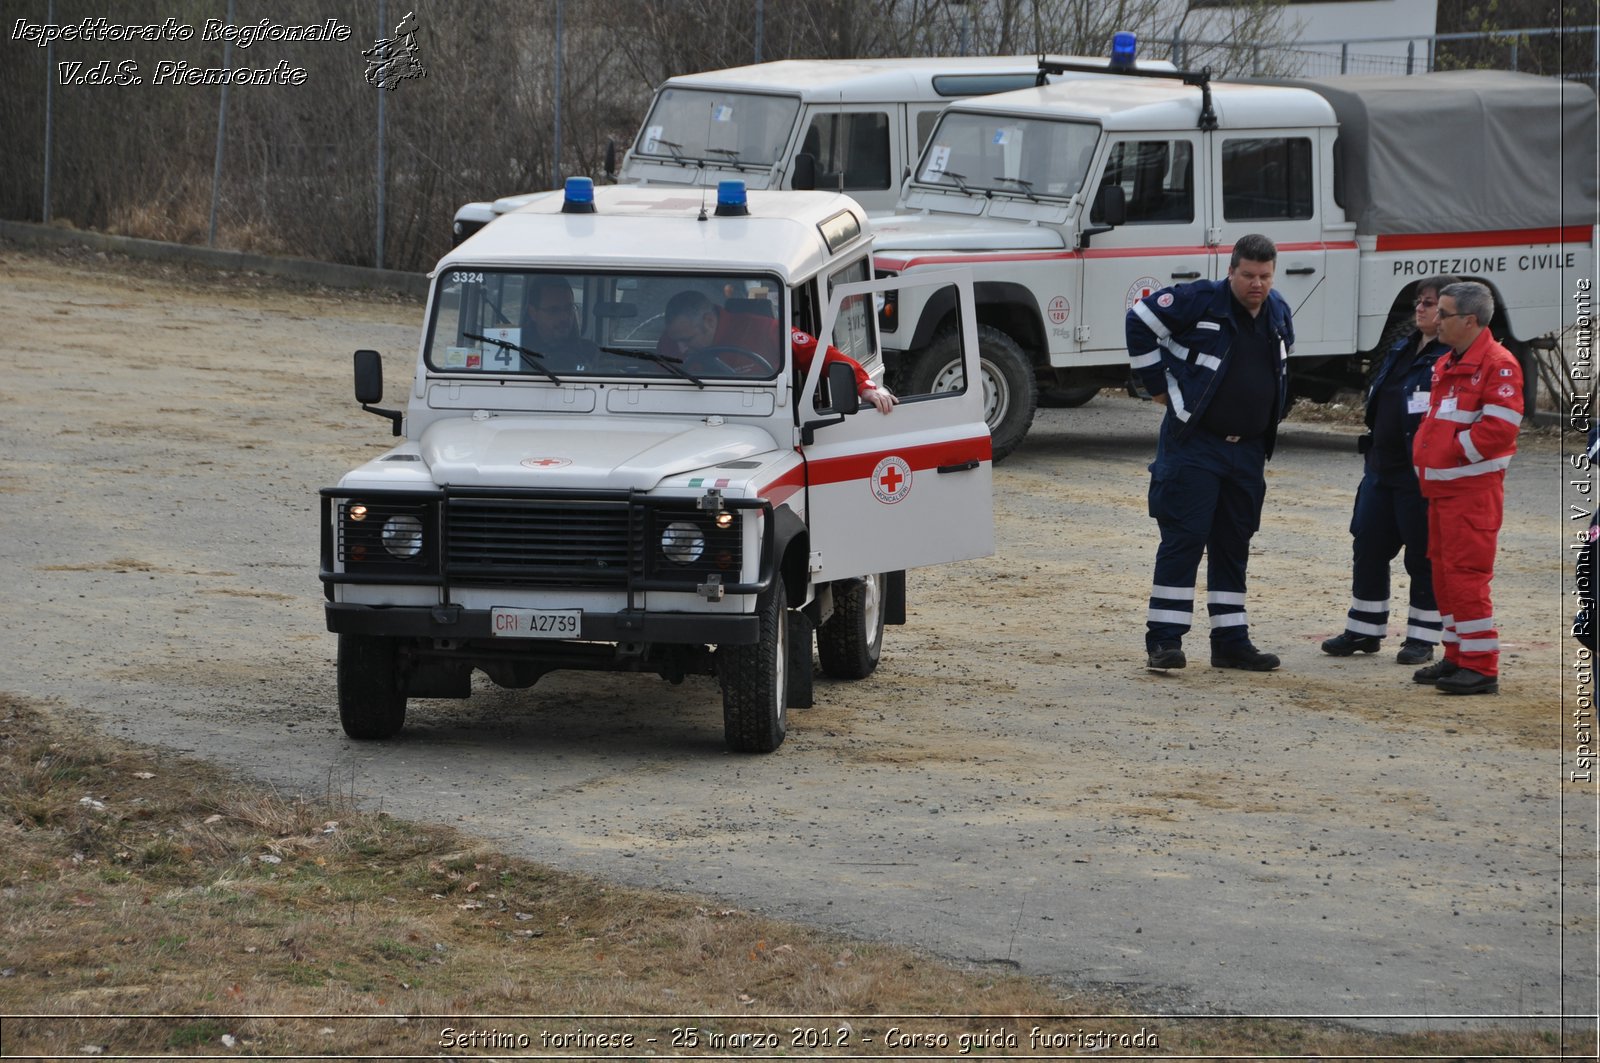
(891, 480)
(546, 463)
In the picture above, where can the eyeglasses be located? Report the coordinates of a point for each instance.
(1426, 304)
(1443, 316)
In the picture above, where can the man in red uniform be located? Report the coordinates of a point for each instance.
(694, 323)
(1461, 451)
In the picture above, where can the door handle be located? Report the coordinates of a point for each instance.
(1189, 276)
(1300, 271)
(963, 467)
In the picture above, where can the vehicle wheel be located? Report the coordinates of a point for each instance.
(1010, 392)
(1066, 398)
(372, 702)
(755, 682)
(850, 642)
(1397, 328)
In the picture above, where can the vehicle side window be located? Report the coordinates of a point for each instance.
(854, 145)
(852, 329)
(1157, 179)
(1266, 178)
(926, 120)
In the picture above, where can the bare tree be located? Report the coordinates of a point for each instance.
(300, 161)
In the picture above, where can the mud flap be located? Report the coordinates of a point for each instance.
(798, 680)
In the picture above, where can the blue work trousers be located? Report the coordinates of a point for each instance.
(1387, 519)
(1206, 495)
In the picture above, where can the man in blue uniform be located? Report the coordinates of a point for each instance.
(1215, 354)
(1390, 512)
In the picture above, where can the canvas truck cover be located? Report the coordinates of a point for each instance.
(1462, 150)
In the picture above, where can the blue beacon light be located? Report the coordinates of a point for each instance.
(1123, 47)
(732, 201)
(579, 196)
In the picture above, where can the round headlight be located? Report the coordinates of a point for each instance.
(683, 542)
(402, 536)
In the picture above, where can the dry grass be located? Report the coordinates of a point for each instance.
(154, 906)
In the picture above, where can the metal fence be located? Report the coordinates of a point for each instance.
(340, 170)
(1571, 52)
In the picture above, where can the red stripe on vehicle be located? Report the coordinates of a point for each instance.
(884, 262)
(1555, 234)
(930, 456)
(944, 260)
(780, 489)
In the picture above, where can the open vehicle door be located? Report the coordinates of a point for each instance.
(896, 491)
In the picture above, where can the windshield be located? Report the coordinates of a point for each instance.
(691, 327)
(718, 128)
(1001, 153)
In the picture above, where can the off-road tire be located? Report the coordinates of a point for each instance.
(1397, 328)
(372, 699)
(850, 641)
(754, 681)
(1010, 392)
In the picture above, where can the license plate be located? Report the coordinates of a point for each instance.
(536, 623)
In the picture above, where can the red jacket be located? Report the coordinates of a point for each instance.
(1466, 440)
(805, 349)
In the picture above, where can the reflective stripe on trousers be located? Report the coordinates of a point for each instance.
(1206, 496)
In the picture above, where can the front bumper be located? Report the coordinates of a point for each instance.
(511, 538)
(455, 622)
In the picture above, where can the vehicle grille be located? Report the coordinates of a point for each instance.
(539, 542)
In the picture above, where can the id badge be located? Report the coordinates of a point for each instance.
(1448, 405)
(1418, 403)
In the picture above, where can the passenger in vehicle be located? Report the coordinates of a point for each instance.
(550, 325)
(713, 340)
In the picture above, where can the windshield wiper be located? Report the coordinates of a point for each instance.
(958, 178)
(1026, 186)
(665, 361)
(677, 154)
(533, 357)
(733, 159)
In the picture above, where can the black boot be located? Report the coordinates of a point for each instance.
(1347, 642)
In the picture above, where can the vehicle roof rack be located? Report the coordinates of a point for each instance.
(1200, 79)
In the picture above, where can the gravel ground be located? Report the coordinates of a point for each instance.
(1011, 787)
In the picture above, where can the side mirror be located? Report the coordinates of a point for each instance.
(611, 159)
(369, 386)
(805, 172)
(369, 377)
(1109, 211)
(1110, 206)
(842, 397)
(840, 380)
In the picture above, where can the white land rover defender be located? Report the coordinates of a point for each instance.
(597, 494)
(1073, 200)
(845, 125)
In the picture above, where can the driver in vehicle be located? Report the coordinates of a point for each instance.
(550, 325)
(709, 338)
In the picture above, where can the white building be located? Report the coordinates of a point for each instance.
(1332, 36)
